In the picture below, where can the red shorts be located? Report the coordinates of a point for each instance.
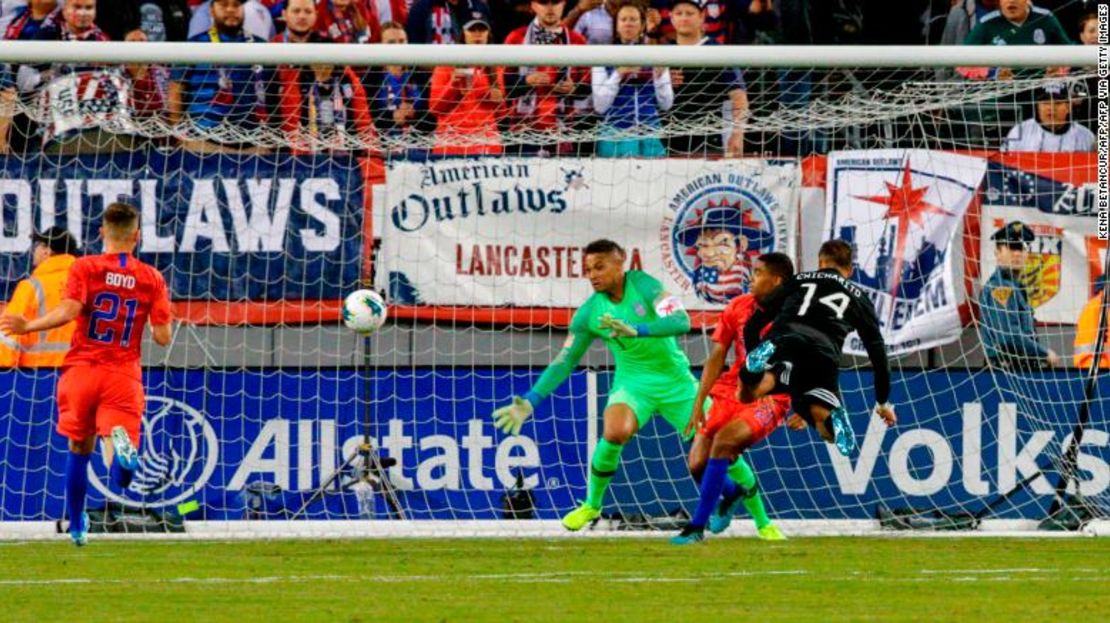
(92, 401)
(762, 416)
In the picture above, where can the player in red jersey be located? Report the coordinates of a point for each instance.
(100, 393)
(731, 426)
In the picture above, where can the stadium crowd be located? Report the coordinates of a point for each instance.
(471, 109)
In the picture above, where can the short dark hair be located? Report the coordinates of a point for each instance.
(837, 251)
(603, 245)
(121, 217)
(779, 264)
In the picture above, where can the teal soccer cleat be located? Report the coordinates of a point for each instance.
(757, 359)
(721, 518)
(689, 536)
(125, 452)
(80, 532)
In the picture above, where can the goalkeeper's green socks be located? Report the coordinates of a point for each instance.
(741, 473)
(603, 465)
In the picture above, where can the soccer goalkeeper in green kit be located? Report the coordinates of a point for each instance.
(638, 321)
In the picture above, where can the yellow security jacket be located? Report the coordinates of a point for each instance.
(34, 297)
(1086, 334)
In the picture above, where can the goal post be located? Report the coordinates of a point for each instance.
(274, 179)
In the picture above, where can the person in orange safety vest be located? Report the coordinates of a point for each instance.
(1086, 333)
(53, 252)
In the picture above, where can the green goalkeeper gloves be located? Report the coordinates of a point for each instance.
(617, 327)
(509, 419)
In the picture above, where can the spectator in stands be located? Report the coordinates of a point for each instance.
(319, 106)
(1007, 323)
(257, 20)
(467, 101)
(52, 253)
(594, 19)
(441, 21)
(398, 104)
(1088, 29)
(348, 21)
(1051, 130)
(391, 11)
(88, 108)
(300, 18)
(1086, 331)
(631, 98)
(701, 94)
(1016, 22)
(161, 20)
(541, 97)
(23, 25)
(225, 103)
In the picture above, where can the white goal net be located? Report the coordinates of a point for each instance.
(465, 189)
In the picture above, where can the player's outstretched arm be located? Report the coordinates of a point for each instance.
(510, 418)
(64, 313)
(864, 320)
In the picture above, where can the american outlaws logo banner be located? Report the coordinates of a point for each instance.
(511, 231)
(900, 210)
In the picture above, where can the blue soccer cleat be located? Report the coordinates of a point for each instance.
(689, 536)
(721, 518)
(757, 359)
(80, 532)
(125, 453)
(842, 431)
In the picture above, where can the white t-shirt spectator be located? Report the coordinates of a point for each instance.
(1029, 135)
(256, 20)
(596, 25)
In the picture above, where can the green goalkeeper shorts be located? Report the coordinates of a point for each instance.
(671, 399)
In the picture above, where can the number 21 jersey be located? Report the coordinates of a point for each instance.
(118, 295)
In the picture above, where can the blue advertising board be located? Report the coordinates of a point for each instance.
(220, 227)
(216, 436)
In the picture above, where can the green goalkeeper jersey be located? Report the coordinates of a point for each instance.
(653, 358)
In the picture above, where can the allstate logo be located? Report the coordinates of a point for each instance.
(177, 456)
(716, 233)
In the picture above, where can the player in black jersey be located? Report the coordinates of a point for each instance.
(812, 313)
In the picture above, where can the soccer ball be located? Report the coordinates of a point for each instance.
(364, 311)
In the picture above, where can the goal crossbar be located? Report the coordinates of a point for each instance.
(184, 53)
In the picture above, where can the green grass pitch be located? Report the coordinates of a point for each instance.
(583, 579)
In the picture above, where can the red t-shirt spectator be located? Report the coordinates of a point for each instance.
(357, 23)
(466, 118)
(333, 110)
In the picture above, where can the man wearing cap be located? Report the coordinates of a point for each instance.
(54, 251)
(703, 94)
(1051, 130)
(467, 100)
(1009, 337)
(719, 242)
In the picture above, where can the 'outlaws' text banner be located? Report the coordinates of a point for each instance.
(511, 232)
(219, 227)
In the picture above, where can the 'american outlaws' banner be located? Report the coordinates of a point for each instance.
(901, 210)
(511, 231)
